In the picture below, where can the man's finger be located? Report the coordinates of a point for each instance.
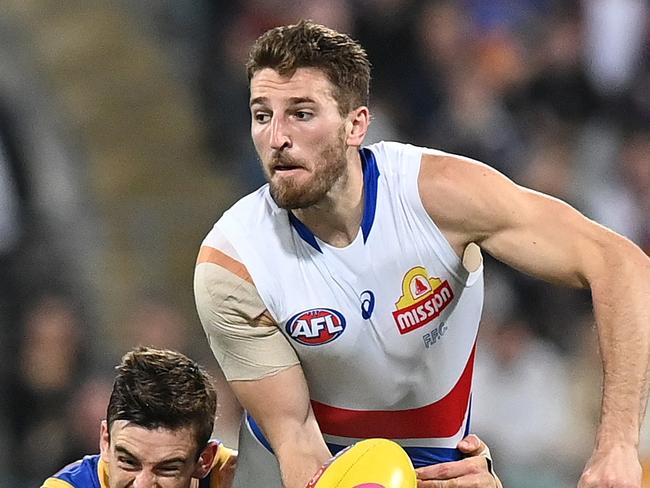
(453, 469)
(471, 445)
(471, 481)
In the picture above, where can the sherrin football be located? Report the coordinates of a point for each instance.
(371, 463)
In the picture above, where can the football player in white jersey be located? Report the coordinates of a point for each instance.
(308, 100)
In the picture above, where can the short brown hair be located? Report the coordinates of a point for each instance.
(309, 45)
(163, 388)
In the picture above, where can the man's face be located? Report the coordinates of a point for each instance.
(299, 135)
(137, 457)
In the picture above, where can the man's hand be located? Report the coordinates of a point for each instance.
(471, 472)
(615, 467)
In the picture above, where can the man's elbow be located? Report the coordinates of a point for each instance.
(610, 255)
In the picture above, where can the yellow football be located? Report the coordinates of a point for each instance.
(371, 463)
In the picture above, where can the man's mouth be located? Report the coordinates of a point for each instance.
(286, 167)
(285, 164)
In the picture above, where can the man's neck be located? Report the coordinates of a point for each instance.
(337, 218)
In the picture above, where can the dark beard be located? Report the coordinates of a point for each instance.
(330, 168)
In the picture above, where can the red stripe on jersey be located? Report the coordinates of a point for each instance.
(443, 418)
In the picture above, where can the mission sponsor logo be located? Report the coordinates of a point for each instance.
(423, 300)
(316, 326)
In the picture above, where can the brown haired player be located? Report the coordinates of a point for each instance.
(157, 429)
(342, 300)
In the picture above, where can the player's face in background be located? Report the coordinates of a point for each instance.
(299, 135)
(137, 457)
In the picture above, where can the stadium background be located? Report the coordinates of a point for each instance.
(124, 134)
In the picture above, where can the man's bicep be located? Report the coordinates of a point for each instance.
(230, 310)
(532, 232)
(542, 236)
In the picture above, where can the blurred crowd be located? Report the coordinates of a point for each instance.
(100, 216)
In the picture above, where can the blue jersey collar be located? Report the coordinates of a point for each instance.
(370, 183)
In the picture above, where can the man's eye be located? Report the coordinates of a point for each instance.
(302, 115)
(127, 463)
(262, 117)
(170, 471)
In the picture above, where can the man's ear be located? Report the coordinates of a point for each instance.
(357, 126)
(206, 460)
(104, 440)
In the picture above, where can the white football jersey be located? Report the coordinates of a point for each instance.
(385, 328)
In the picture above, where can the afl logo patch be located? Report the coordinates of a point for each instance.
(316, 326)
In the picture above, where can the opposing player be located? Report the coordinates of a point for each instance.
(342, 300)
(157, 430)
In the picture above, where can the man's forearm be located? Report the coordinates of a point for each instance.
(300, 460)
(621, 304)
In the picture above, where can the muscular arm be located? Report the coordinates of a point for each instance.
(546, 238)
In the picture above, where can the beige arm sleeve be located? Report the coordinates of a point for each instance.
(245, 341)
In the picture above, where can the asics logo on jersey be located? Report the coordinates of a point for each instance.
(316, 326)
(367, 303)
(423, 299)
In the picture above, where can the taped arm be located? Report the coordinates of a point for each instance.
(259, 363)
(243, 338)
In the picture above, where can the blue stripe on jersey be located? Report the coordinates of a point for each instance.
(424, 456)
(420, 456)
(82, 473)
(257, 432)
(370, 179)
(302, 230)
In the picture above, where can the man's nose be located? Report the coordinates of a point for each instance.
(145, 479)
(279, 134)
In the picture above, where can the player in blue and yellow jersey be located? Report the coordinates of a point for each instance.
(157, 430)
